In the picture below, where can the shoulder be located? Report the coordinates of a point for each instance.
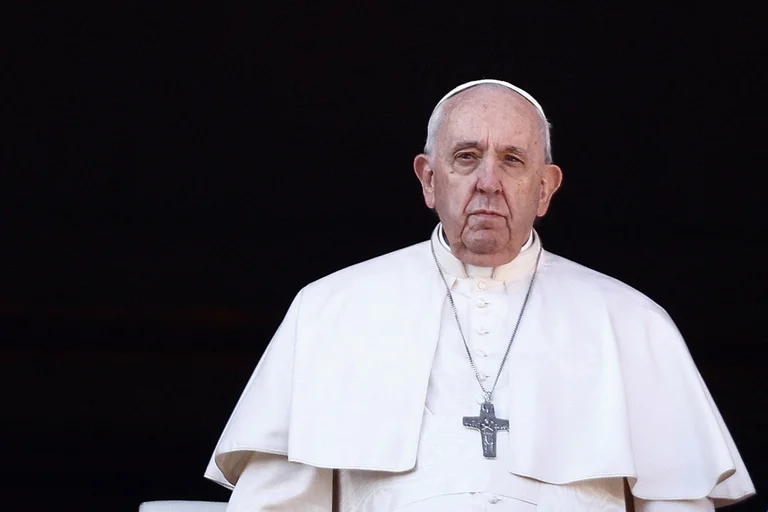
(575, 278)
(386, 270)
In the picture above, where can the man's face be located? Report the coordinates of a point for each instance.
(487, 177)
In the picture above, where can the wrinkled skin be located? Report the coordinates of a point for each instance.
(487, 176)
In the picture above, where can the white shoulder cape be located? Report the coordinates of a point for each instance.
(602, 382)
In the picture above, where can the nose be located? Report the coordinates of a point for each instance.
(488, 177)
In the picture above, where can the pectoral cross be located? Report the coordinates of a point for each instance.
(488, 424)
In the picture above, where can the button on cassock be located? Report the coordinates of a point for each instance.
(481, 302)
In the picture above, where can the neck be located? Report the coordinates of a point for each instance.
(518, 268)
(477, 268)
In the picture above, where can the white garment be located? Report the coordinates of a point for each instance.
(271, 482)
(574, 383)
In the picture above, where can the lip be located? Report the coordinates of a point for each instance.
(486, 212)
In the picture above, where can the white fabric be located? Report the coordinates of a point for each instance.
(271, 482)
(701, 505)
(599, 384)
(450, 473)
(468, 502)
(182, 506)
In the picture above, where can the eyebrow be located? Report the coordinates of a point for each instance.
(464, 144)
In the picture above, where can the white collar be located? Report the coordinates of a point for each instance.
(520, 266)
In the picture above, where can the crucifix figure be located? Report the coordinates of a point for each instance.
(488, 424)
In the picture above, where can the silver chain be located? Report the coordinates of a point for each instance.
(487, 394)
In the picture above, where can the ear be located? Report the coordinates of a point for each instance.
(427, 178)
(551, 179)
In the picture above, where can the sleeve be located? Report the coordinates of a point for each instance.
(272, 482)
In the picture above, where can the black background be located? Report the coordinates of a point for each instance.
(173, 176)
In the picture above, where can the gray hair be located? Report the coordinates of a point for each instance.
(437, 117)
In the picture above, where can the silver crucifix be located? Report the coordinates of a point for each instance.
(488, 424)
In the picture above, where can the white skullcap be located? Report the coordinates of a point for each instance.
(508, 85)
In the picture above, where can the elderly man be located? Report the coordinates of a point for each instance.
(476, 371)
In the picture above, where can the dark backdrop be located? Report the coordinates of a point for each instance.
(175, 175)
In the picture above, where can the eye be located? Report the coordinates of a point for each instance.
(465, 156)
(513, 160)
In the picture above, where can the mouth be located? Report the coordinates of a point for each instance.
(486, 213)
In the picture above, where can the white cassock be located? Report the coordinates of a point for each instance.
(367, 375)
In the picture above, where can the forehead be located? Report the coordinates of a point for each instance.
(490, 112)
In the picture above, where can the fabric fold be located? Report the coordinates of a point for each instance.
(601, 379)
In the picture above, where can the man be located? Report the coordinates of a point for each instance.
(476, 371)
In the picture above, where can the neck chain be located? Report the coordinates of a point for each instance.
(487, 394)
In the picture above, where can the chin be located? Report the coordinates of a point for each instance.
(484, 245)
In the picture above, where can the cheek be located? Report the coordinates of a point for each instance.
(522, 196)
(453, 192)
(461, 197)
